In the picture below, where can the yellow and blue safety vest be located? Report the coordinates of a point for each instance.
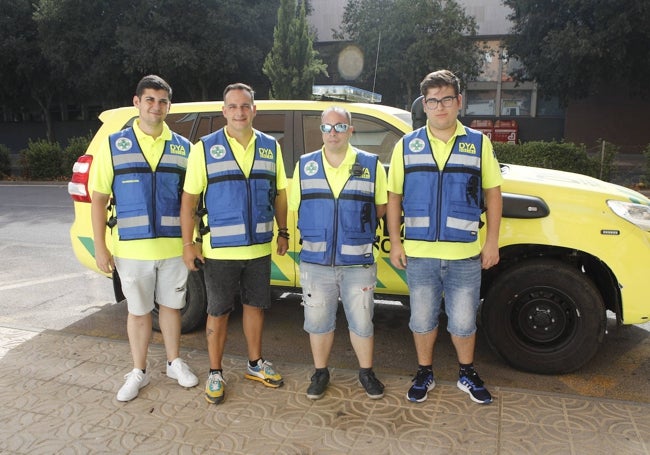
(442, 205)
(147, 202)
(337, 231)
(240, 210)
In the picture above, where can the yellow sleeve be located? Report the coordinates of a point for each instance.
(490, 169)
(294, 189)
(102, 170)
(396, 170)
(381, 194)
(280, 173)
(196, 178)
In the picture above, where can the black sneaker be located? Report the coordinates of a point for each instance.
(319, 382)
(470, 383)
(374, 388)
(423, 382)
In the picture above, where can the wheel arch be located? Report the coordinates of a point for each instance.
(598, 272)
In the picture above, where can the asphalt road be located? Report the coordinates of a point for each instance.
(43, 287)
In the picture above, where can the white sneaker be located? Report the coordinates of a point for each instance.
(135, 380)
(181, 372)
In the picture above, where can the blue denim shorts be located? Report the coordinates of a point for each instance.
(225, 279)
(458, 281)
(322, 286)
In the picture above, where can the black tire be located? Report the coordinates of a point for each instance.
(193, 314)
(544, 316)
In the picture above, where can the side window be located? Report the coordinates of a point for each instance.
(182, 124)
(271, 123)
(370, 134)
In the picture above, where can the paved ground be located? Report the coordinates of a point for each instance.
(58, 394)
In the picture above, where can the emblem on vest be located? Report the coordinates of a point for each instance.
(177, 149)
(217, 151)
(416, 145)
(467, 147)
(123, 144)
(265, 153)
(311, 168)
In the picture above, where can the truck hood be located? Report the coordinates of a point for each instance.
(537, 181)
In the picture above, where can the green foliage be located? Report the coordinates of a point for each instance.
(646, 176)
(408, 39)
(42, 160)
(563, 156)
(292, 64)
(5, 161)
(575, 48)
(77, 146)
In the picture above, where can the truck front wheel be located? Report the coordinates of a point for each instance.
(544, 316)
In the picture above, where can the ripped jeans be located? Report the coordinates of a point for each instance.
(322, 286)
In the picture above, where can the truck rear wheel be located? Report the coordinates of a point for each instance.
(544, 316)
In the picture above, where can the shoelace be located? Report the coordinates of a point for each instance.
(216, 377)
(422, 378)
(473, 379)
(372, 378)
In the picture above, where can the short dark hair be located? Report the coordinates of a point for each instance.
(440, 78)
(239, 86)
(154, 82)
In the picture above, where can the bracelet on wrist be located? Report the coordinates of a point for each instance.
(283, 234)
(188, 244)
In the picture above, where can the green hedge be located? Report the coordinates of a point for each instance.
(5, 161)
(564, 156)
(44, 160)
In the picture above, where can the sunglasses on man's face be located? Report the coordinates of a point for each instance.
(339, 127)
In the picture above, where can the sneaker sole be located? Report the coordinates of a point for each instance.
(144, 384)
(214, 400)
(267, 382)
(465, 389)
(315, 397)
(372, 397)
(188, 385)
(426, 394)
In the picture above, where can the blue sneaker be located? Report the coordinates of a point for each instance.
(423, 382)
(469, 382)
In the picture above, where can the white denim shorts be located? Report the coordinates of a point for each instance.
(145, 282)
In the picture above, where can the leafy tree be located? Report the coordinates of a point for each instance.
(577, 48)
(197, 44)
(408, 39)
(26, 74)
(77, 37)
(292, 64)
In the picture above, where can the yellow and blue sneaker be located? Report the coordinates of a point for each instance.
(264, 373)
(215, 391)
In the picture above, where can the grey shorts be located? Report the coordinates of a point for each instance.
(225, 279)
(144, 282)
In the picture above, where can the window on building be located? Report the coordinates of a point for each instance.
(516, 103)
(480, 102)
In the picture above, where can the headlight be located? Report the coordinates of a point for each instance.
(634, 213)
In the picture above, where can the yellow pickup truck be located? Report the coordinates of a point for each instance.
(572, 247)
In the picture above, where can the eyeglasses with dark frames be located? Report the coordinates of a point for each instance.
(446, 101)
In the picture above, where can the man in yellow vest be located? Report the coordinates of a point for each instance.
(339, 193)
(143, 167)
